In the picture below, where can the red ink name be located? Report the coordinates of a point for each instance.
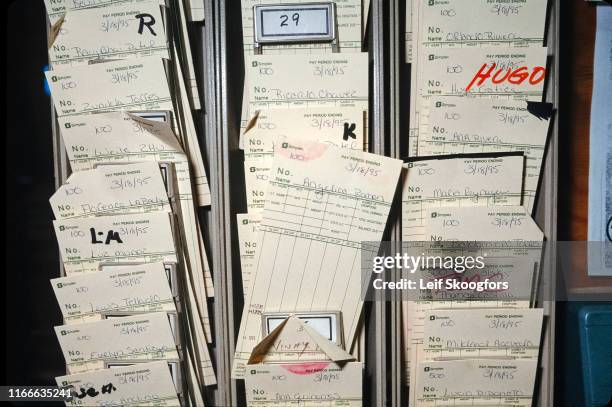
(514, 76)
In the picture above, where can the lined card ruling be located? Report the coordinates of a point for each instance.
(112, 189)
(476, 382)
(142, 384)
(482, 333)
(123, 31)
(481, 125)
(340, 126)
(138, 288)
(296, 365)
(88, 346)
(322, 202)
(87, 244)
(329, 80)
(477, 180)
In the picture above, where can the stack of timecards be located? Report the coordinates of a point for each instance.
(313, 194)
(478, 132)
(137, 282)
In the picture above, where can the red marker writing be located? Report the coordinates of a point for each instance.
(514, 76)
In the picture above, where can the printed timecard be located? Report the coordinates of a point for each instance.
(349, 40)
(136, 84)
(296, 364)
(332, 80)
(515, 261)
(256, 177)
(492, 223)
(57, 8)
(475, 382)
(517, 73)
(86, 244)
(248, 227)
(111, 189)
(472, 23)
(343, 127)
(484, 23)
(88, 346)
(507, 73)
(115, 138)
(122, 137)
(130, 84)
(324, 384)
(140, 384)
(322, 202)
(461, 180)
(127, 30)
(466, 25)
(482, 333)
(481, 125)
(451, 181)
(137, 288)
(118, 138)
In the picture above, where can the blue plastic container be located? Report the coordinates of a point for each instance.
(596, 349)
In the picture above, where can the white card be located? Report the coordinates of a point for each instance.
(130, 84)
(144, 337)
(86, 244)
(457, 181)
(137, 288)
(112, 189)
(123, 31)
(493, 223)
(480, 125)
(141, 384)
(476, 382)
(322, 203)
(482, 333)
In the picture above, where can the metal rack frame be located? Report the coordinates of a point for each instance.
(221, 83)
(388, 115)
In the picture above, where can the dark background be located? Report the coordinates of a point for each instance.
(32, 352)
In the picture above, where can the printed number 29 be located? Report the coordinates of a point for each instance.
(284, 18)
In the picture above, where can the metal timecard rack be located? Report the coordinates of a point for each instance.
(219, 58)
(176, 367)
